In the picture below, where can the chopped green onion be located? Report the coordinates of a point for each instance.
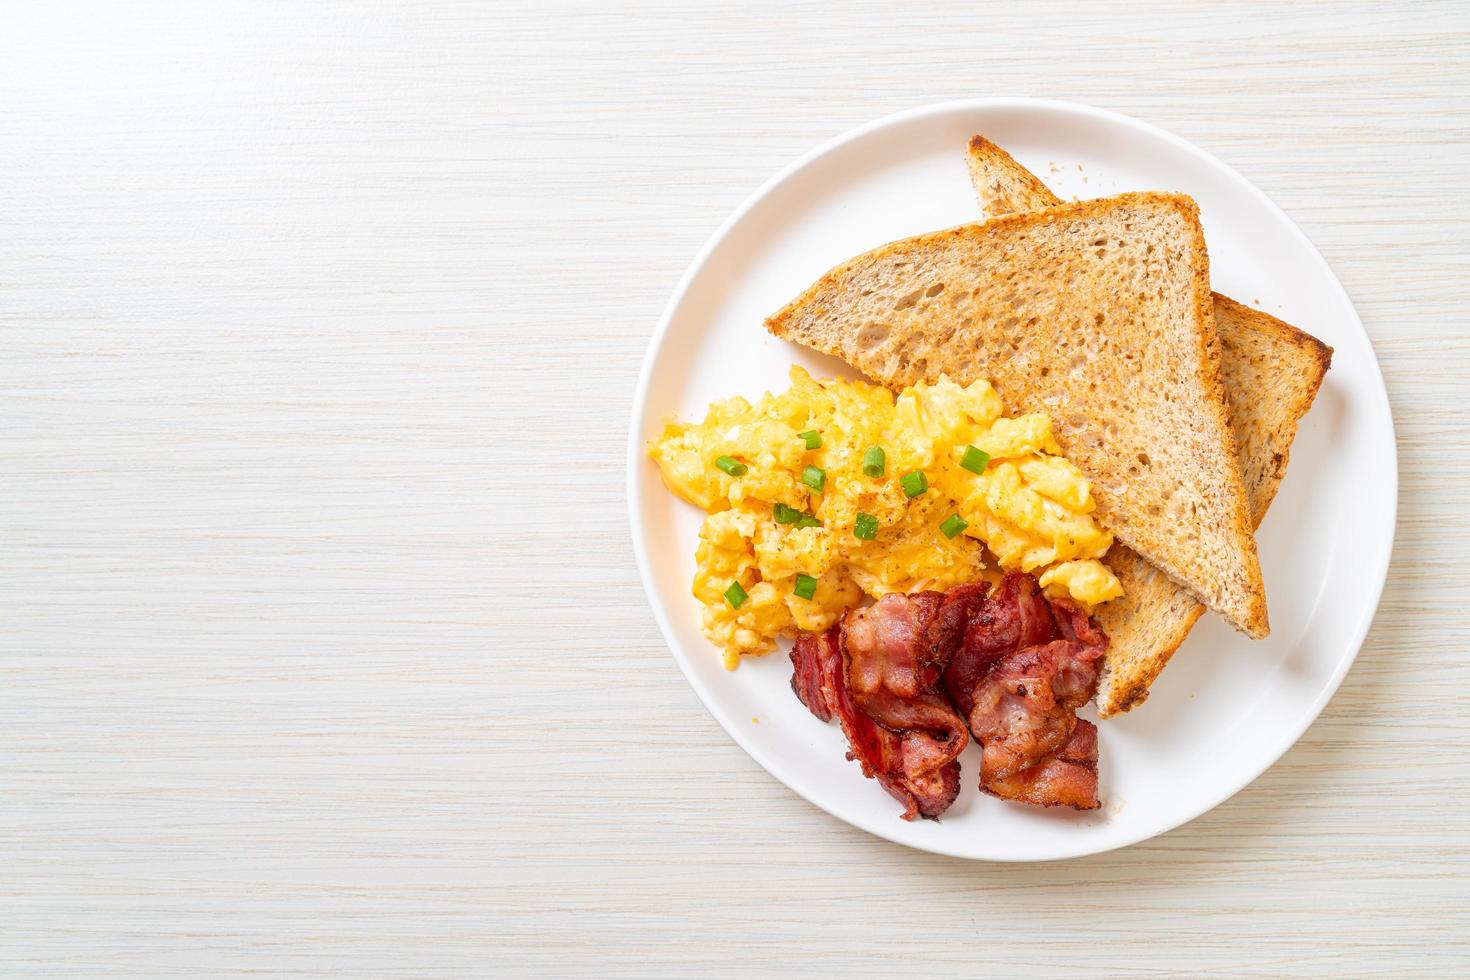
(813, 438)
(953, 525)
(806, 586)
(814, 477)
(865, 527)
(975, 460)
(732, 466)
(873, 461)
(735, 595)
(914, 483)
(808, 520)
(786, 515)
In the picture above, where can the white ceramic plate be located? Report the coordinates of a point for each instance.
(1227, 707)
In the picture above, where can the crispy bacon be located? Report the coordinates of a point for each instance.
(1068, 778)
(876, 674)
(1024, 667)
(947, 629)
(893, 678)
(808, 673)
(887, 646)
(1017, 665)
(1016, 616)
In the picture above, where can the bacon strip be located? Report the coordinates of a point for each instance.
(1017, 665)
(947, 629)
(808, 673)
(1068, 778)
(876, 674)
(1024, 667)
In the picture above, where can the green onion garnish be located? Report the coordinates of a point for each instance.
(786, 515)
(808, 520)
(813, 438)
(735, 595)
(814, 477)
(865, 527)
(975, 460)
(873, 461)
(731, 465)
(914, 483)
(953, 525)
(806, 586)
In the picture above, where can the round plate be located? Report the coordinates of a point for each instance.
(1227, 707)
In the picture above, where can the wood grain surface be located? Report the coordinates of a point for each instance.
(321, 645)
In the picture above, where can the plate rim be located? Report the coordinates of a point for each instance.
(635, 459)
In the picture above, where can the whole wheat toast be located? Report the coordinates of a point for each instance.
(1272, 372)
(1098, 314)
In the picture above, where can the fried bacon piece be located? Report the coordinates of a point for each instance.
(947, 629)
(1068, 778)
(876, 672)
(1016, 664)
(810, 666)
(1023, 668)
(891, 673)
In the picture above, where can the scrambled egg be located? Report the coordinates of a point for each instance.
(769, 528)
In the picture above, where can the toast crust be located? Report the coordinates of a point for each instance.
(1316, 358)
(1004, 183)
(1166, 614)
(1256, 624)
(1232, 513)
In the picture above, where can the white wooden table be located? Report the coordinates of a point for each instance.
(321, 645)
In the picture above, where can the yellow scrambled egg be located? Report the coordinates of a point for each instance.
(750, 467)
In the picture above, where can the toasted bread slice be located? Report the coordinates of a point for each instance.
(1098, 314)
(1272, 372)
(1003, 185)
